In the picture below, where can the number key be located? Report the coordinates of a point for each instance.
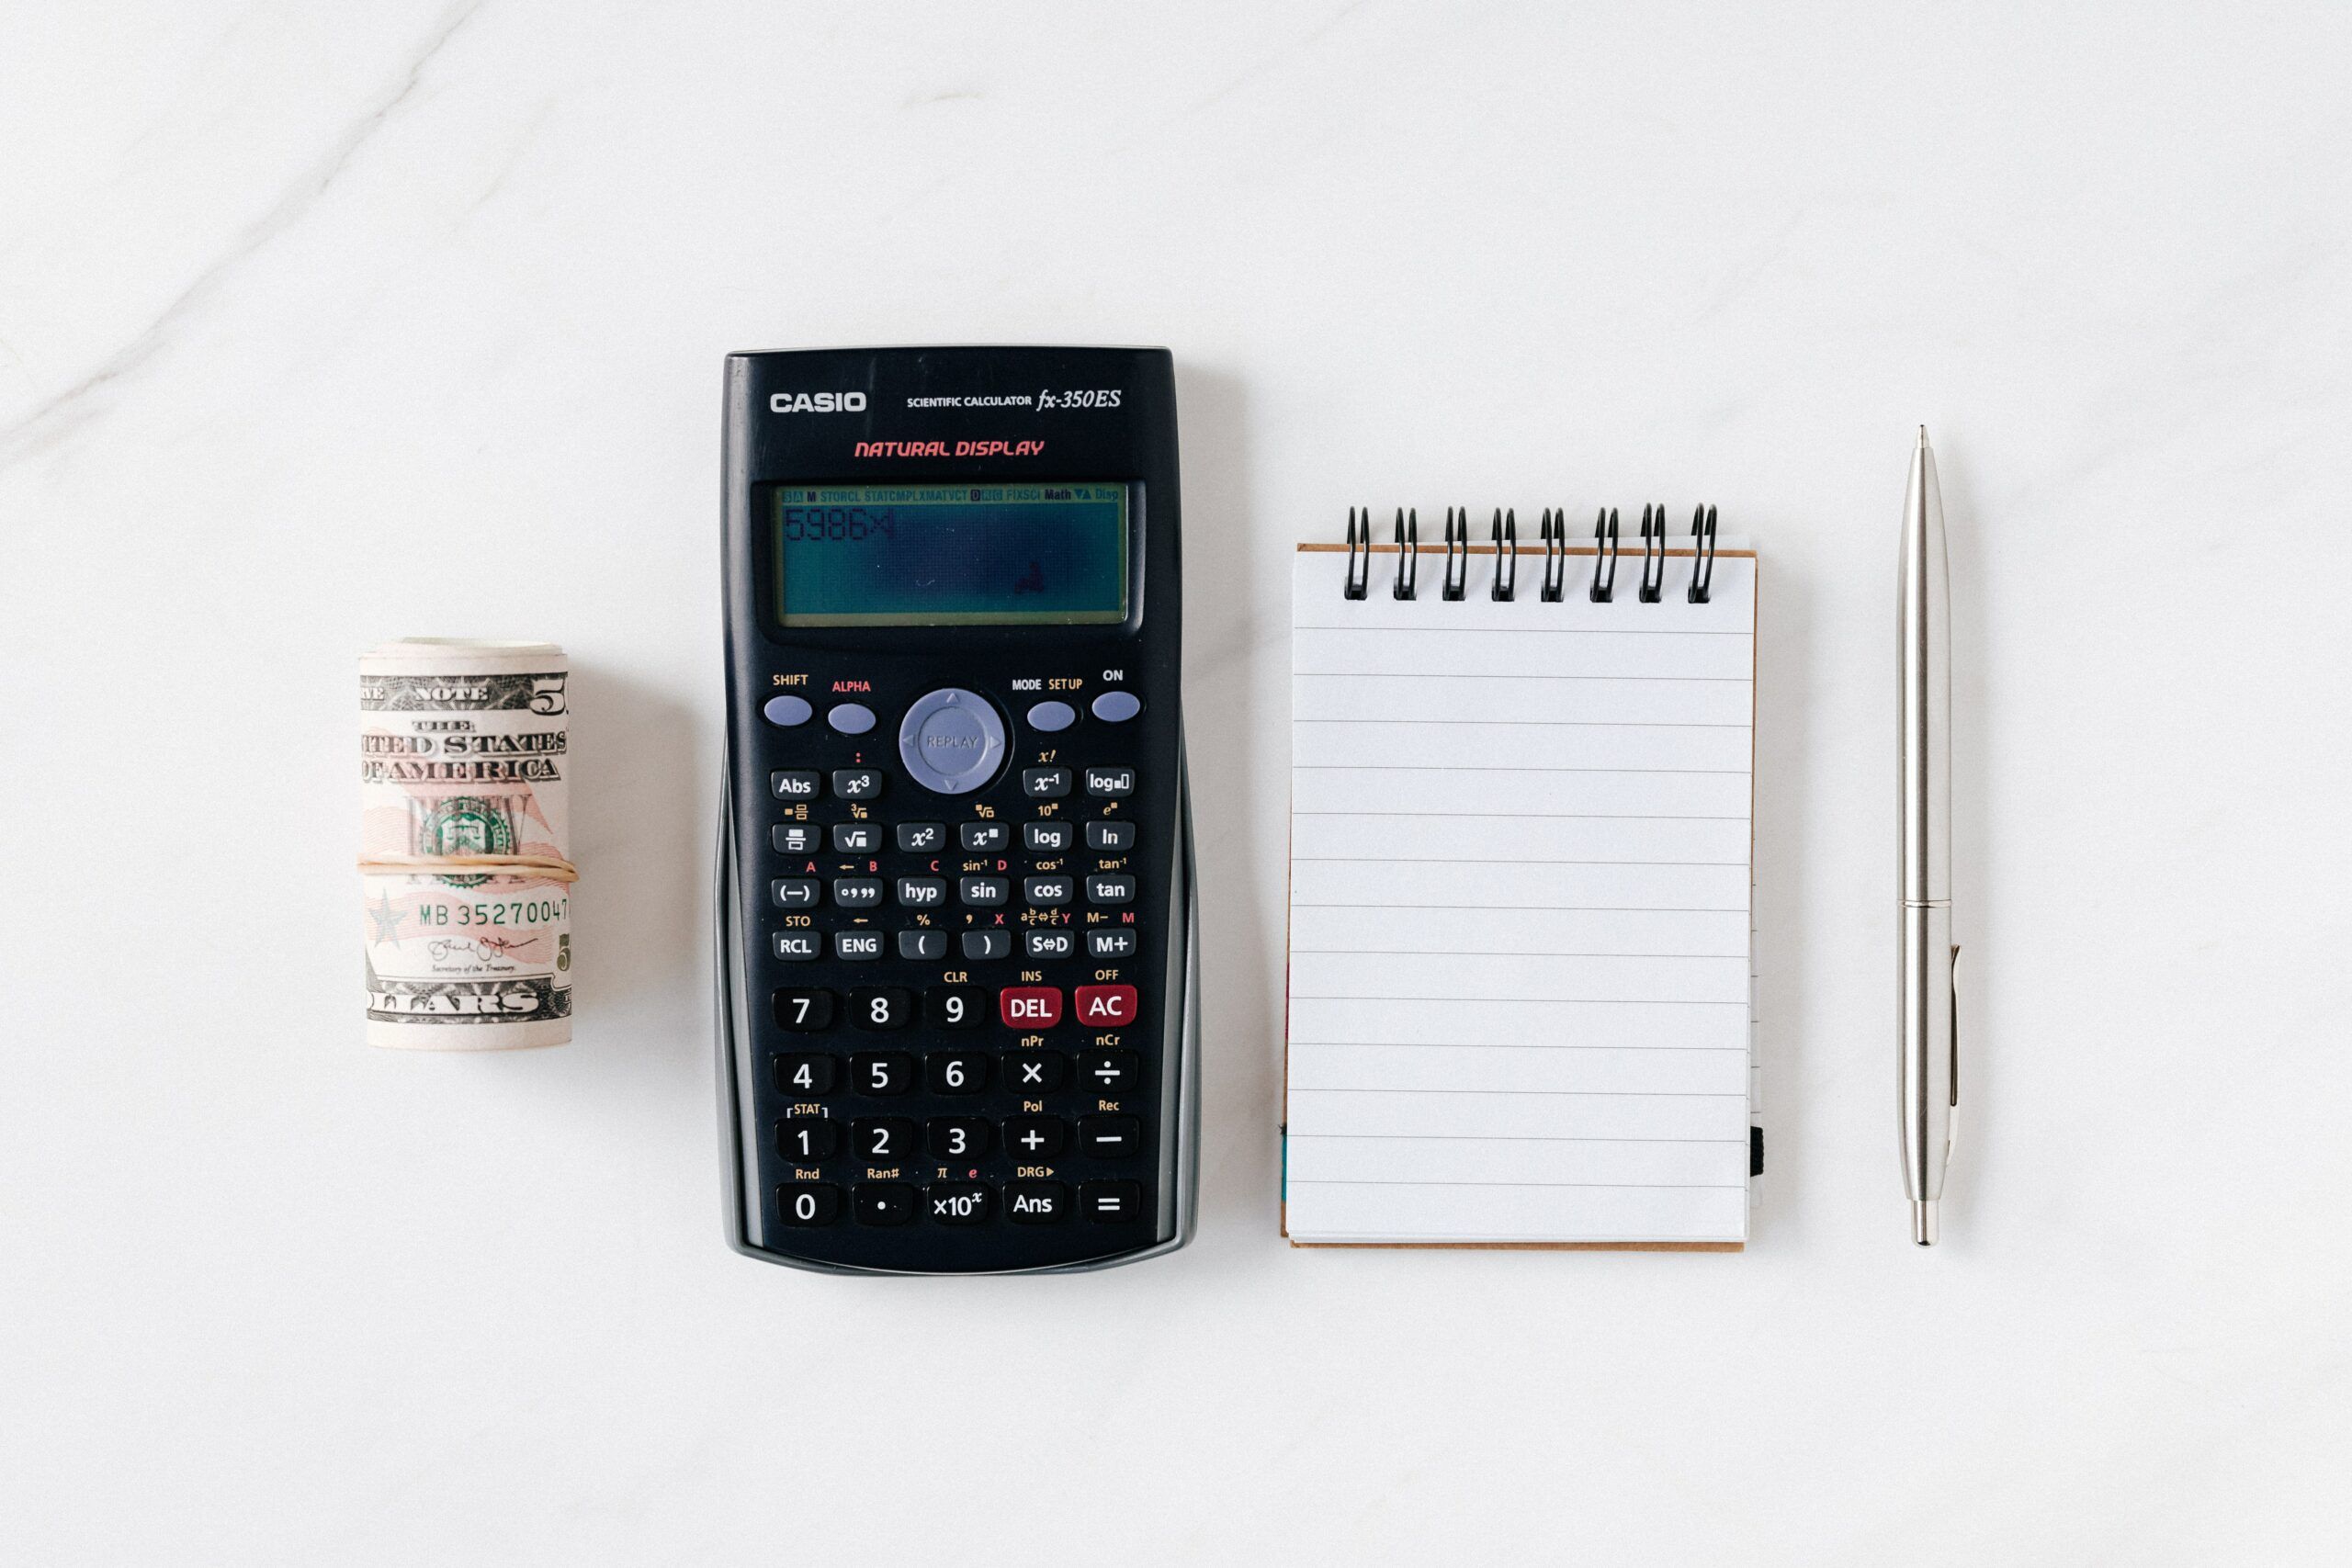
(882, 1072)
(809, 1204)
(956, 1072)
(804, 1011)
(809, 1078)
(881, 1007)
(955, 1007)
(809, 1137)
(883, 1138)
(957, 1137)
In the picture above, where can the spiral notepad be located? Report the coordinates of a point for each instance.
(1520, 991)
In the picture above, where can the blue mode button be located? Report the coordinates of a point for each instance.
(951, 740)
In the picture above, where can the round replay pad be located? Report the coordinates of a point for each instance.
(1051, 716)
(1118, 707)
(951, 740)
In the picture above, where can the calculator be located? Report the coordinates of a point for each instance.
(955, 915)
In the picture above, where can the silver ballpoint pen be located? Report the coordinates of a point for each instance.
(1929, 1074)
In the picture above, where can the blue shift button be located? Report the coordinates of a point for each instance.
(787, 711)
(849, 718)
(1050, 716)
(1118, 707)
(952, 741)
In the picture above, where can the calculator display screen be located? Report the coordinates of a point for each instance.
(950, 555)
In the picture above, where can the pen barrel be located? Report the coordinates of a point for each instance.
(1927, 1085)
(1923, 747)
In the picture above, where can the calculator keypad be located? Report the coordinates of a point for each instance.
(955, 1027)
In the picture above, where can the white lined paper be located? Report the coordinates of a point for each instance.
(1521, 966)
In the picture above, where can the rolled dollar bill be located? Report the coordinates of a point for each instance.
(465, 839)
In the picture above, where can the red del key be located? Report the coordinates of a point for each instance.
(1106, 1007)
(1030, 1006)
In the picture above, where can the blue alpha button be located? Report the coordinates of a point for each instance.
(951, 740)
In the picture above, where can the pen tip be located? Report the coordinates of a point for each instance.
(1923, 435)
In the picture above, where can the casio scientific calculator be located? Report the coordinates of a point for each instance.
(956, 908)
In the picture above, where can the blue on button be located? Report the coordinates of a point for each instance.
(1050, 716)
(1118, 707)
(851, 718)
(787, 711)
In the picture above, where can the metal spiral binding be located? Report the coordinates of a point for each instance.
(1554, 533)
(1702, 568)
(1653, 552)
(1604, 554)
(1556, 558)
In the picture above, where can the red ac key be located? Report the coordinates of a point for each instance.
(1030, 1006)
(1106, 1007)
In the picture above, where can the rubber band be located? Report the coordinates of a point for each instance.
(548, 868)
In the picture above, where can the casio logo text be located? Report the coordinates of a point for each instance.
(817, 402)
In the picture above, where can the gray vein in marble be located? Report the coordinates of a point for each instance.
(54, 418)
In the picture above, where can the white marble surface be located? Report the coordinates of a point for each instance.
(323, 323)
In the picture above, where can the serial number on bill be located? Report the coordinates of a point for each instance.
(1082, 398)
(495, 912)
